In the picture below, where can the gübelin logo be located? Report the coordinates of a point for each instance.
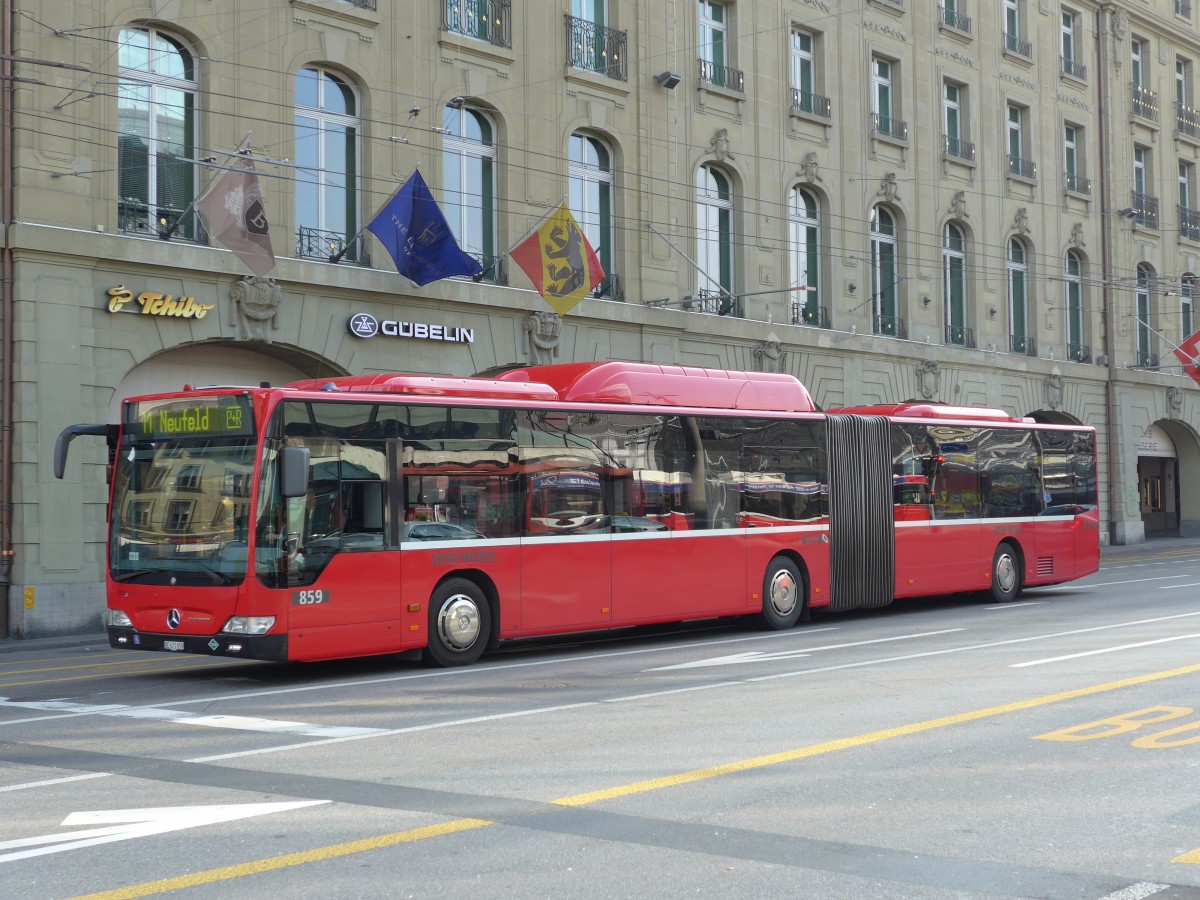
(363, 325)
(172, 619)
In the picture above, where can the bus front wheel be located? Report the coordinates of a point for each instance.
(460, 623)
(783, 595)
(1006, 573)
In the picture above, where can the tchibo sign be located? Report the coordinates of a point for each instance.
(367, 326)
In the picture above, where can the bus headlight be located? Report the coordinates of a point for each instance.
(249, 625)
(119, 619)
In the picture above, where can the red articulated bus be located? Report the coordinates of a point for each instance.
(388, 513)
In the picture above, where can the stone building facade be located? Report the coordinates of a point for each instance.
(975, 203)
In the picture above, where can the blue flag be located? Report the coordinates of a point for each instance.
(418, 237)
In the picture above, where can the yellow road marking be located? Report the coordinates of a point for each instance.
(145, 671)
(133, 661)
(653, 784)
(1193, 858)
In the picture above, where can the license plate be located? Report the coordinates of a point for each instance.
(172, 645)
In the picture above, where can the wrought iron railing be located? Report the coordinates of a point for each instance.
(713, 303)
(890, 326)
(609, 288)
(960, 335)
(1013, 43)
(1018, 343)
(721, 76)
(596, 48)
(493, 269)
(889, 126)
(958, 147)
(1187, 120)
(1145, 209)
(1026, 168)
(1074, 68)
(808, 102)
(952, 18)
(808, 313)
(1146, 360)
(362, 4)
(487, 20)
(1189, 223)
(1145, 102)
(331, 246)
(138, 217)
(1078, 183)
(1080, 353)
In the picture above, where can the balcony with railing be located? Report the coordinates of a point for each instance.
(1146, 360)
(809, 313)
(1187, 121)
(889, 127)
(1080, 353)
(958, 148)
(712, 303)
(721, 76)
(361, 4)
(809, 103)
(1078, 184)
(1022, 168)
(609, 288)
(890, 326)
(484, 20)
(960, 335)
(1022, 344)
(1073, 69)
(1145, 102)
(1145, 209)
(137, 217)
(1018, 46)
(1189, 223)
(596, 48)
(952, 18)
(331, 246)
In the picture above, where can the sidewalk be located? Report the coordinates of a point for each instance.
(1172, 546)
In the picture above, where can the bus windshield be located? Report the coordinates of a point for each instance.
(180, 511)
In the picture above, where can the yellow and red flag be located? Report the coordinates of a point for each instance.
(1188, 354)
(559, 261)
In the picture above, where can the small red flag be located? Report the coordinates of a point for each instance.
(559, 261)
(1189, 354)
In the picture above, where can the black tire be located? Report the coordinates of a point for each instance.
(784, 598)
(460, 623)
(1006, 573)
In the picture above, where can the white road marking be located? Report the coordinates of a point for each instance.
(1166, 640)
(1018, 605)
(1175, 587)
(753, 656)
(1138, 891)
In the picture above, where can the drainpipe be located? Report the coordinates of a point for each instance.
(1115, 502)
(6, 312)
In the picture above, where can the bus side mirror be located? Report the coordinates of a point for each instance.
(69, 434)
(293, 471)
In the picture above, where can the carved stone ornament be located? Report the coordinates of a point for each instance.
(719, 145)
(929, 377)
(542, 331)
(770, 355)
(1174, 401)
(1020, 221)
(254, 308)
(1076, 238)
(958, 205)
(1117, 25)
(888, 188)
(809, 168)
(1052, 391)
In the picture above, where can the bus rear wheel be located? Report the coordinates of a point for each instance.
(1006, 573)
(783, 595)
(460, 623)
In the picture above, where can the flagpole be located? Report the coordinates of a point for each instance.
(1195, 358)
(242, 150)
(536, 225)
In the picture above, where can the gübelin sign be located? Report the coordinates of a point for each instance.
(153, 303)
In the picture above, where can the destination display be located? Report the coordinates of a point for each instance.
(190, 417)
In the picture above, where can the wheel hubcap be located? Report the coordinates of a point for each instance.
(784, 592)
(458, 622)
(1006, 573)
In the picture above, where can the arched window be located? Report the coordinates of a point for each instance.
(326, 166)
(1018, 299)
(1073, 301)
(1143, 295)
(804, 250)
(714, 238)
(954, 285)
(885, 273)
(469, 181)
(156, 133)
(590, 196)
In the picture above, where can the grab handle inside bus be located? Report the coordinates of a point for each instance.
(69, 434)
(293, 471)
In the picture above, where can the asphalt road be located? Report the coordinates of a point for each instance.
(952, 748)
